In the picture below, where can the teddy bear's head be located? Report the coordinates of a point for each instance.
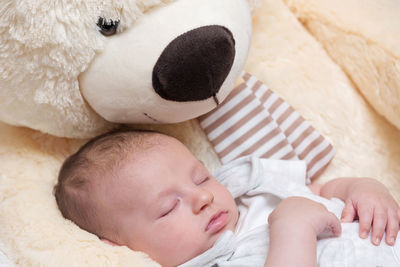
(75, 67)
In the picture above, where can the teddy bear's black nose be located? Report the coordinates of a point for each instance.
(195, 64)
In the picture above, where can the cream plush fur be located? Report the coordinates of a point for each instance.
(33, 38)
(61, 76)
(304, 50)
(364, 42)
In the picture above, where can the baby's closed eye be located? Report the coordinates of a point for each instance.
(169, 208)
(203, 180)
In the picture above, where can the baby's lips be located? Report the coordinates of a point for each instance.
(218, 221)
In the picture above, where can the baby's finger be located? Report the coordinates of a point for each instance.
(378, 226)
(349, 212)
(365, 218)
(392, 228)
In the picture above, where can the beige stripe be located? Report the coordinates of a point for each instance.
(276, 104)
(294, 126)
(275, 149)
(302, 136)
(205, 116)
(260, 142)
(320, 156)
(265, 96)
(240, 123)
(229, 114)
(289, 155)
(311, 146)
(285, 115)
(246, 76)
(246, 136)
(319, 172)
(234, 93)
(256, 86)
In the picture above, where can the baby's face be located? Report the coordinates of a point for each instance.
(166, 204)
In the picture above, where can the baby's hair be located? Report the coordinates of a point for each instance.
(97, 159)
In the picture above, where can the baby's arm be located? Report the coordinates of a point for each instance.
(369, 201)
(294, 226)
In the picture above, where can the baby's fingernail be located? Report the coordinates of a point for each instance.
(391, 240)
(377, 241)
(364, 234)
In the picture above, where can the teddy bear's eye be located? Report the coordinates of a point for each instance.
(107, 28)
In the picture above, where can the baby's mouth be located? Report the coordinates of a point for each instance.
(217, 222)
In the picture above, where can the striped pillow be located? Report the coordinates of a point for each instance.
(254, 120)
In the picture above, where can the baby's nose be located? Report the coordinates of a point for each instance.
(201, 200)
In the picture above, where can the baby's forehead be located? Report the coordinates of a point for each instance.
(139, 184)
(158, 151)
(158, 145)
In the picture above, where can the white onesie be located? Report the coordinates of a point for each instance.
(258, 186)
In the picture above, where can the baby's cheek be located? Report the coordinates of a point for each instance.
(197, 247)
(187, 246)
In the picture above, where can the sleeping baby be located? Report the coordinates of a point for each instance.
(146, 191)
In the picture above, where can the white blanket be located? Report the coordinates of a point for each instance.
(258, 186)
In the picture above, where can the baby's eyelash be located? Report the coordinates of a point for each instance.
(170, 210)
(205, 180)
(201, 179)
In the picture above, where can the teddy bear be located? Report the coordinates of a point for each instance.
(64, 84)
(72, 69)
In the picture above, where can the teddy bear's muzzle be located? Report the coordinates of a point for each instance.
(195, 64)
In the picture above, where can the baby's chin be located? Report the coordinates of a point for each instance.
(206, 245)
(212, 240)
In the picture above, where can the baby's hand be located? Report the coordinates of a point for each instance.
(371, 202)
(303, 213)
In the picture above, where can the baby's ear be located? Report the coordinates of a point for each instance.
(108, 242)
